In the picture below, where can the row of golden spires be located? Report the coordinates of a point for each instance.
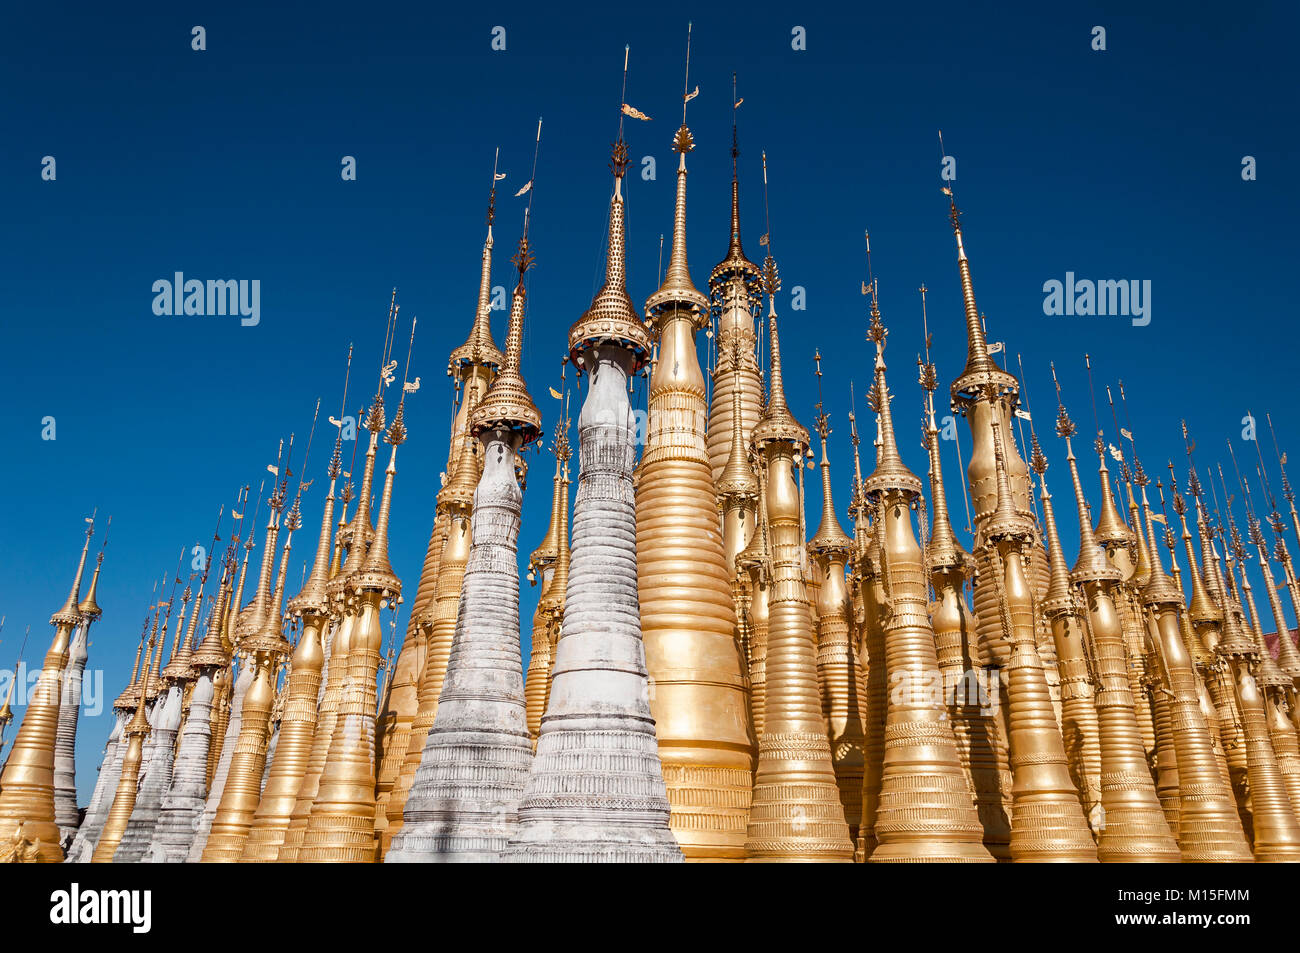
(1080, 714)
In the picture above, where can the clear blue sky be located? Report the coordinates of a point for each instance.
(226, 164)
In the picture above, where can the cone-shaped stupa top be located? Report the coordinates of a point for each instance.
(776, 422)
(548, 551)
(507, 404)
(1092, 564)
(981, 370)
(479, 349)
(612, 317)
(89, 607)
(1060, 595)
(376, 572)
(677, 292)
(830, 536)
(1203, 608)
(1111, 526)
(312, 598)
(891, 473)
(68, 614)
(1160, 588)
(944, 551)
(735, 264)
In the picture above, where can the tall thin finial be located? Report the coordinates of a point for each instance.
(336, 461)
(622, 96)
(686, 86)
(492, 191)
(735, 133)
(532, 178)
(1281, 463)
(822, 419)
(767, 214)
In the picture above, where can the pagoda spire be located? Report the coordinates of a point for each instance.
(66, 814)
(1136, 830)
(482, 713)
(1288, 658)
(266, 647)
(735, 290)
(839, 671)
(340, 825)
(794, 756)
(981, 383)
(920, 749)
(1275, 520)
(27, 782)
(563, 816)
(981, 743)
(1205, 822)
(699, 704)
(1079, 719)
(1275, 824)
(1047, 821)
(226, 754)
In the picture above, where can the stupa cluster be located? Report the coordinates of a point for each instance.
(707, 680)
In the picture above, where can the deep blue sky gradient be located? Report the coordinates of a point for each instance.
(225, 164)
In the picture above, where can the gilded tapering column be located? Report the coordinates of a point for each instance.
(264, 644)
(1119, 544)
(1276, 830)
(927, 809)
(753, 563)
(341, 826)
(228, 723)
(463, 802)
(1208, 828)
(842, 677)
(1272, 677)
(1047, 822)
(796, 813)
(127, 786)
(737, 490)
(302, 691)
(684, 585)
(596, 790)
(27, 783)
(1208, 621)
(1134, 828)
(736, 293)
(226, 682)
(1079, 721)
(336, 642)
(66, 814)
(970, 690)
(969, 398)
(869, 592)
(1274, 686)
